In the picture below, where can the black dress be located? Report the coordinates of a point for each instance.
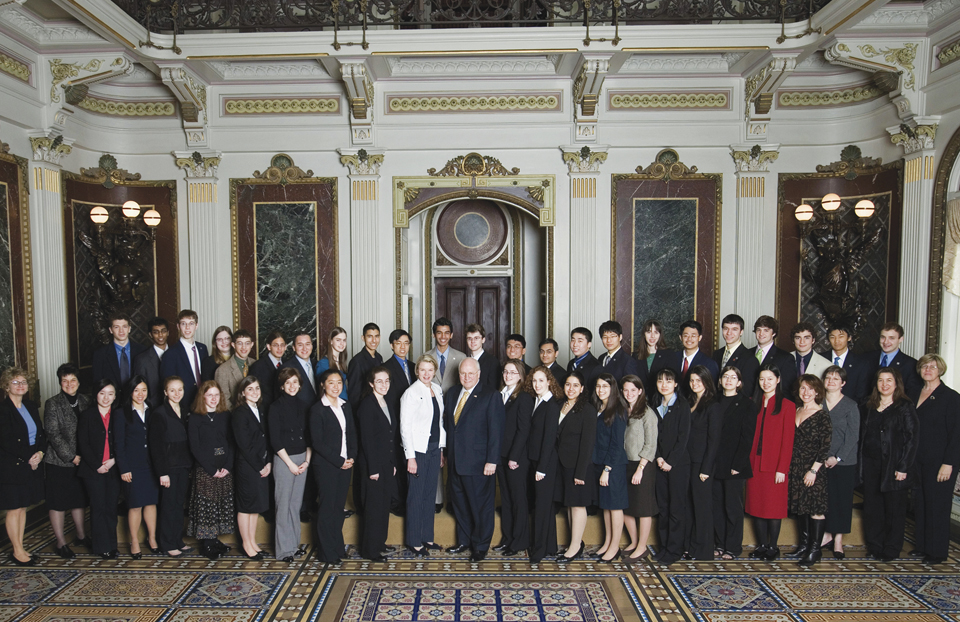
(211, 503)
(811, 443)
(20, 485)
(575, 441)
(250, 436)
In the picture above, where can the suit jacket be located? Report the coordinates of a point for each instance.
(475, 439)
(130, 439)
(168, 441)
(905, 364)
(398, 382)
(357, 386)
(778, 432)
(559, 373)
(376, 436)
(609, 449)
(898, 443)
(489, 371)
(858, 376)
(229, 376)
(451, 376)
(784, 362)
(326, 435)
(175, 362)
(704, 442)
(675, 362)
(576, 438)
(818, 364)
(673, 433)
(738, 423)
(518, 412)
(939, 435)
(266, 373)
(60, 425)
(91, 436)
(544, 430)
(106, 365)
(15, 447)
(250, 438)
(648, 375)
(743, 359)
(622, 364)
(588, 367)
(210, 441)
(307, 394)
(147, 364)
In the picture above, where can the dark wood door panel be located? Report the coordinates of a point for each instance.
(481, 300)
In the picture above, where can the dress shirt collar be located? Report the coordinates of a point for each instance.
(765, 349)
(842, 357)
(690, 357)
(664, 406)
(274, 359)
(579, 359)
(890, 356)
(188, 345)
(732, 347)
(610, 355)
(159, 351)
(326, 402)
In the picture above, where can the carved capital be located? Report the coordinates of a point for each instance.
(755, 159)
(584, 159)
(913, 139)
(49, 146)
(361, 162)
(197, 164)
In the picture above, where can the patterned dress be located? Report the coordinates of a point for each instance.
(810, 444)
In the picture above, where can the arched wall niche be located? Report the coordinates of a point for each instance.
(943, 307)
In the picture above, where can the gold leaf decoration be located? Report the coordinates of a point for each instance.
(706, 100)
(282, 171)
(900, 57)
(304, 105)
(473, 165)
(128, 109)
(15, 68)
(473, 103)
(949, 54)
(838, 97)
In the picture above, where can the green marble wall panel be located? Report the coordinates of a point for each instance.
(8, 346)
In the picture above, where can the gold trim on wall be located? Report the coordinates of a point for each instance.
(236, 106)
(14, 67)
(938, 233)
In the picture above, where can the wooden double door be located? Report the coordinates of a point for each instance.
(476, 300)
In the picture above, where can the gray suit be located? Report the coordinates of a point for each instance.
(60, 424)
(228, 376)
(147, 364)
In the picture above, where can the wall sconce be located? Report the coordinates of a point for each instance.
(131, 209)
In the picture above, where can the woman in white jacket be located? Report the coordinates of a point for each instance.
(423, 436)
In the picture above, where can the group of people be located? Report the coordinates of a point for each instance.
(697, 439)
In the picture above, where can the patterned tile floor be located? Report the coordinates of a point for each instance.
(449, 588)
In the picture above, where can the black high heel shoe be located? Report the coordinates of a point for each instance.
(612, 559)
(154, 550)
(258, 557)
(29, 562)
(563, 559)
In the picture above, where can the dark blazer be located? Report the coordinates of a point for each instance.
(906, 365)
(306, 394)
(210, 441)
(489, 372)
(649, 374)
(544, 428)
(609, 449)
(208, 368)
(357, 386)
(168, 441)
(898, 443)
(743, 359)
(250, 437)
(266, 373)
(398, 383)
(287, 425)
(622, 364)
(376, 436)
(738, 425)
(175, 362)
(784, 362)
(15, 447)
(588, 368)
(704, 441)
(518, 412)
(130, 438)
(559, 374)
(675, 362)
(673, 433)
(147, 364)
(858, 376)
(106, 365)
(60, 424)
(576, 439)
(939, 434)
(326, 435)
(90, 438)
(475, 440)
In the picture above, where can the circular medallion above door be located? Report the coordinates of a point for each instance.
(472, 231)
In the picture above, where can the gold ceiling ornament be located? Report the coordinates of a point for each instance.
(295, 105)
(949, 54)
(473, 165)
(282, 171)
(107, 172)
(127, 109)
(689, 100)
(900, 57)
(199, 165)
(852, 162)
(834, 97)
(536, 192)
(668, 167)
(61, 72)
(480, 102)
(15, 68)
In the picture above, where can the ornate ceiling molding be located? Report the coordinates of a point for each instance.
(668, 167)
(233, 106)
(948, 53)
(645, 63)
(42, 33)
(279, 70)
(829, 98)
(400, 66)
(921, 15)
(191, 93)
(474, 102)
(473, 165)
(107, 173)
(75, 79)
(676, 100)
(14, 67)
(282, 171)
(118, 108)
(852, 163)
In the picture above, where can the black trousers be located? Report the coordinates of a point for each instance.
(699, 521)
(728, 515)
(514, 508)
(170, 512)
(544, 514)
(932, 503)
(104, 493)
(884, 513)
(473, 498)
(672, 493)
(377, 497)
(332, 484)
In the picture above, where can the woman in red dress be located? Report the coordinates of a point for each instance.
(770, 458)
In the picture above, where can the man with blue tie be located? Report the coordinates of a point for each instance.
(857, 368)
(691, 332)
(115, 360)
(401, 375)
(448, 358)
(890, 355)
(617, 361)
(183, 358)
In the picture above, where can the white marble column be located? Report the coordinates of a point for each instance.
(211, 289)
(365, 295)
(49, 260)
(587, 307)
(918, 177)
(756, 234)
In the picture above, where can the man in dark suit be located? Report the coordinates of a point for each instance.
(858, 369)
(766, 329)
(361, 364)
(267, 367)
(115, 360)
(147, 363)
(401, 375)
(548, 357)
(516, 349)
(691, 332)
(617, 361)
(890, 355)
(735, 353)
(304, 364)
(489, 365)
(183, 357)
(473, 417)
(581, 339)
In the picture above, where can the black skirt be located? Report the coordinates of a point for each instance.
(840, 487)
(252, 494)
(643, 498)
(25, 493)
(211, 506)
(575, 496)
(64, 489)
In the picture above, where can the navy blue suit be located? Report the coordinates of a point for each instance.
(675, 363)
(176, 362)
(107, 365)
(858, 375)
(622, 364)
(903, 363)
(471, 443)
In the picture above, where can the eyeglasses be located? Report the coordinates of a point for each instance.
(511, 372)
(930, 366)
(19, 383)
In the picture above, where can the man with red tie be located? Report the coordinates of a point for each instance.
(690, 333)
(183, 357)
